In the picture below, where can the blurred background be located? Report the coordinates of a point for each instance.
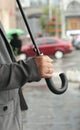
(49, 18)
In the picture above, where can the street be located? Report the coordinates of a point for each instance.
(48, 111)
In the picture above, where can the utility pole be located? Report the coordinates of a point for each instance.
(50, 9)
(56, 15)
(62, 19)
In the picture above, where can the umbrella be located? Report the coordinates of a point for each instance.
(10, 32)
(49, 81)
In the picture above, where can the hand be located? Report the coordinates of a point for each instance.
(45, 66)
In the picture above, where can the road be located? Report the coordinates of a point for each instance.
(69, 61)
(48, 111)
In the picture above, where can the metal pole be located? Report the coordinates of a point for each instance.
(62, 18)
(50, 9)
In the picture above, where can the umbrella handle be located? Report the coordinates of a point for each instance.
(49, 81)
(56, 90)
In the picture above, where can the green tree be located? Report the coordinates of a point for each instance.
(44, 20)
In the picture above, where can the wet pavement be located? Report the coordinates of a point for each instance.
(48, 111)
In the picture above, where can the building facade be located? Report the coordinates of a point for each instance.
(70, 17)
(70, 14)
(11, 17)
(37, 3)
(8, 13)
(33, 10)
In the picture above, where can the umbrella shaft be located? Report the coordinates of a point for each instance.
(28, 28)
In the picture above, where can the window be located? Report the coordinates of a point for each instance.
(39, 41)
(53, 41)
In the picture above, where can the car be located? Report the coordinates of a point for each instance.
(76, 42)
(51, 46)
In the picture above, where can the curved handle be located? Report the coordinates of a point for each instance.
(56, 90)
(49, 82)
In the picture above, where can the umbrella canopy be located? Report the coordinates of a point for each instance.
(10, 32)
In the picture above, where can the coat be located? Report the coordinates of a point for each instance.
(13, 75)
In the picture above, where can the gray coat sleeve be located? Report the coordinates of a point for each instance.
(15, 75)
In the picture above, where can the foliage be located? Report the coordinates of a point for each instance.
(44, 19)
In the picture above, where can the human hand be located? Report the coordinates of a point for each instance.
(45, 66)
